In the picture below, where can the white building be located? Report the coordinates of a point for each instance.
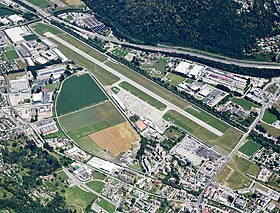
(183, 67)
(15, 34)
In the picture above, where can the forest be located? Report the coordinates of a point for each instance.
(214, 26)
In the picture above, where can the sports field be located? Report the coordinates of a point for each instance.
(78, 92)
(244, 103)
(269, 117)
(234, 175)
(91, 119)
(250, 147)
(222, 144)
(144, 96)
(116, 139)
(30, 37)
(11, 55)
(209, 119)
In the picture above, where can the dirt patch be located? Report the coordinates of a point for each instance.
(116, 139)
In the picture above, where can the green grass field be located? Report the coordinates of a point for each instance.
(160, 64)
(21, 63)
(173, 133)
(209, 119)
(91, 119)
(11, 55)
(271, 130)
(52, 87)
(269, 117)
(234, 175)
(249, 148)
(78, 199)
(41, 28)
(96, 185)
(120, 52)
(222, 144)
(175, 79)
(97, 175)
(244, 103)
(167, 95)
(107, 206)
(85, 92)
(41, 3)
(145, 97)
(273, 182)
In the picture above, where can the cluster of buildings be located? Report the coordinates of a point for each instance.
(12, 19)
(85, 20)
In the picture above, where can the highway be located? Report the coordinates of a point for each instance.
(166, 49)
(169, 105)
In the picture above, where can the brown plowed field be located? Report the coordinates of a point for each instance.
(116, 139)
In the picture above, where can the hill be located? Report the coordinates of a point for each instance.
(218, 26)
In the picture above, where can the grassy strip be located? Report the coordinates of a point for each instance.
(244, 103)
(209, 119)
(145, 97)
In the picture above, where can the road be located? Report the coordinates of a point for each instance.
(241, 141)
(169, 105)
(166, 49)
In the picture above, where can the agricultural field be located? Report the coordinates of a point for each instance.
(96, 185)
(78, 199)
(11, 55)
(41, 3)
(175, 79)
(145, 97)
(14, 76)
(143, 81)
(21, 63)
(223, 144)
(91, 119)
(120, 52)
(250, 148)
(116, 139)
(269, 118)
(209, 119)
(234, 173)
(271, 130)
(77, 3)
(247, 105)
(86, 92)
(106, 205)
